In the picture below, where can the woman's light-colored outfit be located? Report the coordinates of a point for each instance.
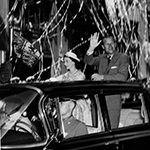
(76, 76)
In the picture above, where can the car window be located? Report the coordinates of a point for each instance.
(85, 112)
(133, 110)
(19, 117)
(90, 110)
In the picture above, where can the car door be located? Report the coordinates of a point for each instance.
(134, 130)
(133, 138)
(96, 141)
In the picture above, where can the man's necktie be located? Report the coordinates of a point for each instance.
(109, 59)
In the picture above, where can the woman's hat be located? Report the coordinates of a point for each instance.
(72, 55)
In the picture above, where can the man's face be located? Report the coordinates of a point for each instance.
(65, 109)
(109, 45)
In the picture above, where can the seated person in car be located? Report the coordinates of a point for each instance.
(72, 126)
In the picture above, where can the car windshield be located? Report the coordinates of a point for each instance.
(12, 107)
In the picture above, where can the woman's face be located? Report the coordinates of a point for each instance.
(68, 63)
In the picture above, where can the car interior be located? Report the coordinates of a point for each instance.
(88, 111)
(133, 110)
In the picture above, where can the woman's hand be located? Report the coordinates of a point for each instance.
(51, 79)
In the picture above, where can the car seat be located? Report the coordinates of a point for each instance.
(130, 117)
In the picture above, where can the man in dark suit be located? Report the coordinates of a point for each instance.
(111, 65)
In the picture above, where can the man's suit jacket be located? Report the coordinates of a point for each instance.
(74, 127)
(117, 68)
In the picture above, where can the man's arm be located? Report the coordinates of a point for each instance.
(88, 59)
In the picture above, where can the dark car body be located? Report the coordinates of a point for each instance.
(30, 116)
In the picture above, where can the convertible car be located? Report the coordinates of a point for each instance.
(30, 116)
